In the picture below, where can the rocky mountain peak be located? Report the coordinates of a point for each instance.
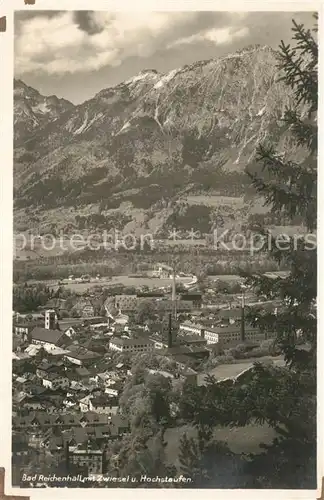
(33, 110)
(153, 136)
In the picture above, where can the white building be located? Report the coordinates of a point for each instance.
(131, 345)
(223, 334)
(211, 335)
(111, 391)
(192, 328)
(107, 405)
(54, 381)
(232, 334)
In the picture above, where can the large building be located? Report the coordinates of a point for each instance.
(88, 456)
(81, 356)
(191, 328)
(131, 345)
(223, 334)
(162, 341)
(49, 339)
(232, 333)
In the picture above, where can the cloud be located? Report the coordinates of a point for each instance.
(69, 43)
(218, 36)
(85, 41)
(23, 15)
(85, 21)
(62, 43)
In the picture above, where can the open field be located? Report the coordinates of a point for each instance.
(115, 280)
(124, 280)
(236, 277)
(225, 277)
(226, 371)
(157, 282)
(151, 282)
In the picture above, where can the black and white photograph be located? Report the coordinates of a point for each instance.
(164, 288)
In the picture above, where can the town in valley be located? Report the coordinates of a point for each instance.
(164, 288)
(75, 354)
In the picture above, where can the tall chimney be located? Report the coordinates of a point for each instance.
(170, 331)
(243, 318)
(174, 295)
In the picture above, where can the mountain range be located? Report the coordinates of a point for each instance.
(150, 151)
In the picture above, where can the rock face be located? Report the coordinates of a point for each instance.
(33, 110)
(151, 138)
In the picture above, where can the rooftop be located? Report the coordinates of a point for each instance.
(191, 324)
(230, 329)
(53, 376)
(82, 372)
(103, 400)
(77, 352)
(46, 335)
(47, 366)
(191, 339)
(125, 341)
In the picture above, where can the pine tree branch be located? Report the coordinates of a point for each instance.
(305, 40)
(305, 133)
(303, 79)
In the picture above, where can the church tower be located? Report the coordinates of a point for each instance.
(50, 319)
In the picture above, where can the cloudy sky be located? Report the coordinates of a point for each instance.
(75, 54)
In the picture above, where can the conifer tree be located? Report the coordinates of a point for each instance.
(290, 188)
(283, 398)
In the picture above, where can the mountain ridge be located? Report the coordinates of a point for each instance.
(33, 110)
(194, 129)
